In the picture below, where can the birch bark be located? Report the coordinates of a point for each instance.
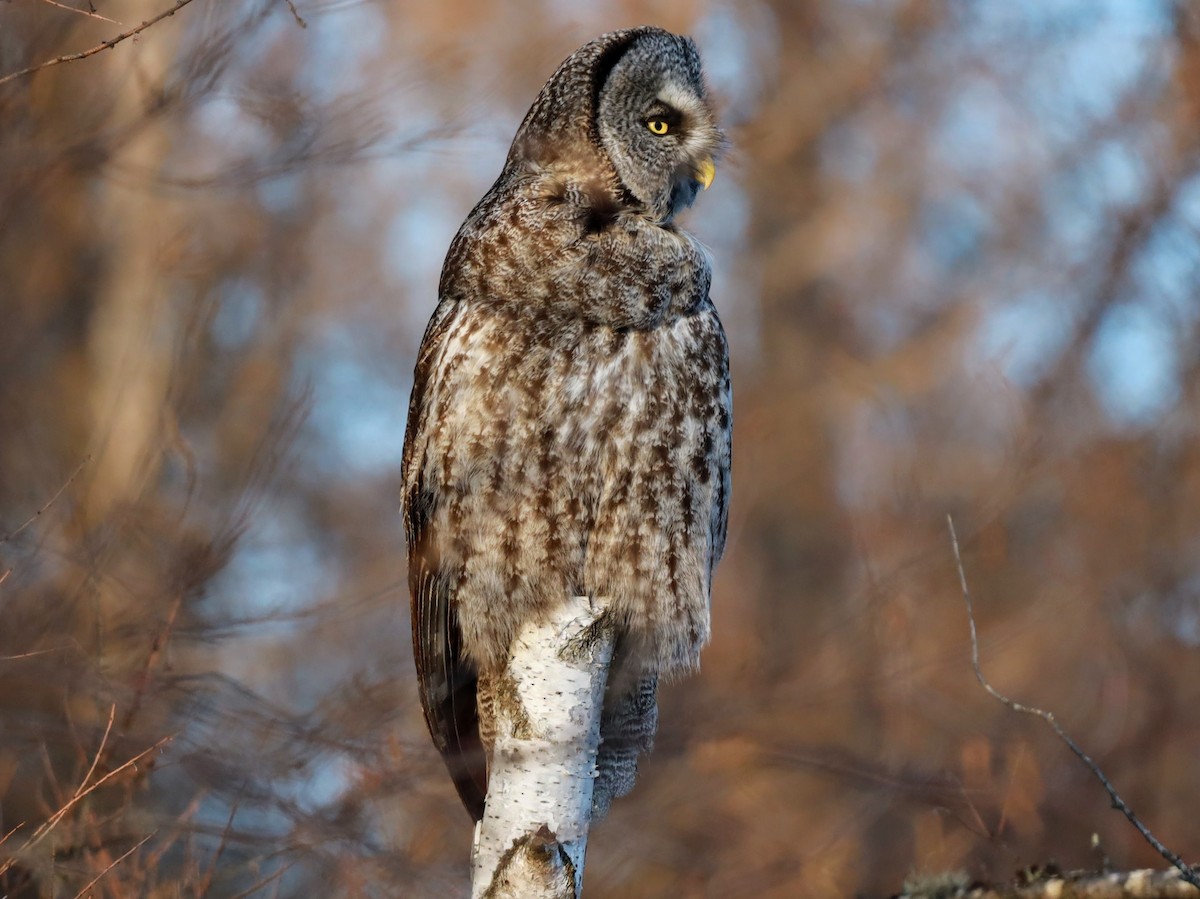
(546, 706)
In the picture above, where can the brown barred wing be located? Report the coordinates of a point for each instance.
(447, 682)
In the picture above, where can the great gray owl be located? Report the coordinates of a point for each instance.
(569, 429)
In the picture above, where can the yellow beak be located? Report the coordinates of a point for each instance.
(705, 172)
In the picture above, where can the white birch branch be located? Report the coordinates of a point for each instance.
(546, 735)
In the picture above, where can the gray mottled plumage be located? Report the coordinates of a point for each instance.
(569, 430)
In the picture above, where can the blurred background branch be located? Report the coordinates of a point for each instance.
(1184, 871)
(99, 48)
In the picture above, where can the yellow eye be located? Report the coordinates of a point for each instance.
(658, 126)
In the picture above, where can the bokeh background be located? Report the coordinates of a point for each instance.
(957, 251)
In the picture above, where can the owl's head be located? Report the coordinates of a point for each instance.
(632, 102)
(655, 122)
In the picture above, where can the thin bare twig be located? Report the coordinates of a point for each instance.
(80, 793)
(4, 838)
(265, 881)
(1118, 803)
(156, 648)
(183, 821)
(32, 652)
(90, 13)
(206, 881)
(8, 538)
(112, 713)
(99, 48)
(113, 864)
(296, 13)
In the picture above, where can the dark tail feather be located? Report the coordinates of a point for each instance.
(464, 752)
(448, 684)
